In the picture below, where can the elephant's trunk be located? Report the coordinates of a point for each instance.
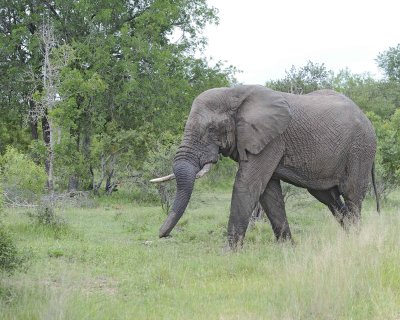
(185, 174)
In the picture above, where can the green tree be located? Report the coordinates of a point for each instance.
(380, 97)
(311, 77)
(389, 62)
(22, 179)
(126, 83)
(388, 155)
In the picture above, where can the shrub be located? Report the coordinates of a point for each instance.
(45, 214)
(23, 180)
(1, 200)
(9, 257)
(158, 164)
(388, 153)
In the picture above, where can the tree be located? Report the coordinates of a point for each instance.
(126, 83)
(371, 95)
(54, 59)
(388, 153)
(311, 77)
(389, 62)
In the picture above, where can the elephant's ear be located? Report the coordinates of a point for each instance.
(262, 116)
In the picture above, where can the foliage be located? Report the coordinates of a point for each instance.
(23, 180)
(388, 156)
(127, 73)
(311, 77)
(159, 164)
(1, 204)
(389, 62)
(45, 214)
(380, 97)
(1, 199)
(9, 257)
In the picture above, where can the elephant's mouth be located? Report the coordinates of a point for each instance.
(201, 173)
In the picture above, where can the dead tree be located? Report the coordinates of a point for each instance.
(54, 60)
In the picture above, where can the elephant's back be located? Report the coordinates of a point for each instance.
(318, 102)
(325, 127)
(330, 109)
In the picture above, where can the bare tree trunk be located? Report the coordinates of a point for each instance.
(50, 80)
(97, 186)
(34, 130)
(50, 179)
(111, 185)
(46, 140)
(33, 121)
(73, 183)
(33, 124)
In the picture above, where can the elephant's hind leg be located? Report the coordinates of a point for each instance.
(355, 187)
(274, 206)
(331, 198)
(354, 203)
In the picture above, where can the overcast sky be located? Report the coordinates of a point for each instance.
(263, 38)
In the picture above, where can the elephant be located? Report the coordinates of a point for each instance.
(319, 141)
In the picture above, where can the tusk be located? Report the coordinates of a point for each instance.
(203, 171)
(163, 179)
(170, 177)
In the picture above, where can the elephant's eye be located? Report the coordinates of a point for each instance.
(212, 129)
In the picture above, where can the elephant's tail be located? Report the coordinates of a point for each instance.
(378, 207)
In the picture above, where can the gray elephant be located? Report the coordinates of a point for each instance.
(319, 141)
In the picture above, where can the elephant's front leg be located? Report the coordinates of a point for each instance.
(242, 205)
(251, 180)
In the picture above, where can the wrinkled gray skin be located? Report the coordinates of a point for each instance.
(319, 141)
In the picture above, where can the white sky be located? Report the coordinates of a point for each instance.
(263, 38)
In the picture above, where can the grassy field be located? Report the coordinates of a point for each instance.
(108, 263)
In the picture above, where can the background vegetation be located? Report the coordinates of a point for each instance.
(89, 90)
(93, 100)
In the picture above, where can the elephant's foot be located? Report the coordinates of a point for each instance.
(285, 237)
(281, 229)
(351, 222)
(235, 242)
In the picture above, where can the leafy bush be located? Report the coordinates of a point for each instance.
(388, 155)
(1, 200)
(23, 180)
(9, 257)
(45, 214)
(158, 164)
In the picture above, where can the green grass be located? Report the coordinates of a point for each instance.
(108, 263)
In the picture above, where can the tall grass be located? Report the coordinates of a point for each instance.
(109, 264)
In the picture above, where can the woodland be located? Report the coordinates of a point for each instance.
(91, 93)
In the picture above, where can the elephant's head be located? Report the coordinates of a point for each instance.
(232, 121)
